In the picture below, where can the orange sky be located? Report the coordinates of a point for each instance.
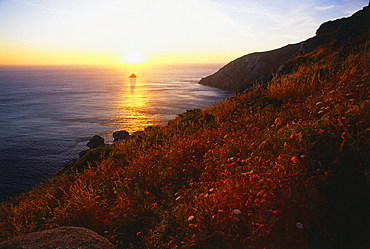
(163, 31)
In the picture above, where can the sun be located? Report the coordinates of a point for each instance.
(133, 56)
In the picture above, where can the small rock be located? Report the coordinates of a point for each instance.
(120, 135)
(236, 211)
(95, 142)
(191, 218)
(63, 237)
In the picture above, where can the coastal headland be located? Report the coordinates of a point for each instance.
(282, 164)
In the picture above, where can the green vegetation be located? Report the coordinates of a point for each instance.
(282, 166)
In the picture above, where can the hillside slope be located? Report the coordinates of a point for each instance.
(242, 72)
(284, 165)
(249, 67)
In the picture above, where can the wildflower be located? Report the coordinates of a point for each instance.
(191, 218)
(303, 156)
(320, 131)
(153, 205)
(321, 112)
(319, 103)
(271, 211)
(231, 164)
(257, 225)
(299, 225)
(176, 209)
(349, 111)
(227, 173)
(294, 159)
(294, 134)
(278, 122)
(331, 92)
(236, 211)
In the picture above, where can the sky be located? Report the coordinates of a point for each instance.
(156, 31)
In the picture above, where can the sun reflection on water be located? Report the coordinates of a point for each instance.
(132, 105)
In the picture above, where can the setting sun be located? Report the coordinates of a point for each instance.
(134, 32)
(133, 57)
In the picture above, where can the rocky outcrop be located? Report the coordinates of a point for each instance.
(333, 37)
(342, 32)
(95, 142)
(249, 68)
(63, 237)
(120, 136)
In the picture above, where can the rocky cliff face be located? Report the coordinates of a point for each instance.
(250, 67)
(344, 33)
(262, 66)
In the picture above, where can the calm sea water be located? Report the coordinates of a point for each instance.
(48, 114)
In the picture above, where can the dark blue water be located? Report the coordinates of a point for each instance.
(47, 114)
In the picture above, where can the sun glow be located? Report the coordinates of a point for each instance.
(137, 32)
(133, 57)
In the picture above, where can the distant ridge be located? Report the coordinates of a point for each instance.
(259, 67)
(249, 67)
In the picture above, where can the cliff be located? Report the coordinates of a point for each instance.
(250, 67)
(243, 72)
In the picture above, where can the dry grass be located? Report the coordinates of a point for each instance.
(281, 167)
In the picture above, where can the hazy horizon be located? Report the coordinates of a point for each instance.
(44, 32)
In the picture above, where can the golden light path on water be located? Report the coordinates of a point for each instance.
(158, 94)
(131, 106)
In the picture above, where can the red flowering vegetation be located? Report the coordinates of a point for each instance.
(87, 200)
(275, 167)
(29, 215)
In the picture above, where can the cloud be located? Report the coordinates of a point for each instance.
(39, 6)
(320, 8)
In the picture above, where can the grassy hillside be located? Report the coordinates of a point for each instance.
(283, 166)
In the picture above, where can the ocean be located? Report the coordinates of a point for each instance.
(48, 114)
